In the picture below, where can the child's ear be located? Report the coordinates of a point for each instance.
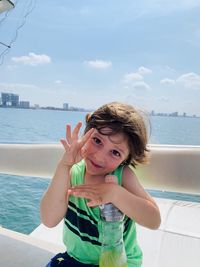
(88, 116)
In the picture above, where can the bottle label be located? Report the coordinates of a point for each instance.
(110, 213)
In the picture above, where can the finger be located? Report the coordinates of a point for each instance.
(86, 192)
(76, 130)
(86, 137)
(68, 133)
(78, 193)
(93, 203)
(83, 152)
(83, 187)
(65, 144)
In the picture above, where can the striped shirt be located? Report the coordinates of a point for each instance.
(82, 233)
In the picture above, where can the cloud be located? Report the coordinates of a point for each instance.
(141, 86)
(135, 79)
(167, 81)
(143, 71)
(99, 64)
(132, 77)
(136, 76)
(190, 80)
(32, 59)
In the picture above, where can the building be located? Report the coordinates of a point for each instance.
(24, 104)
(36, 106)
(174, 114)
(8, 99)
(66, 106)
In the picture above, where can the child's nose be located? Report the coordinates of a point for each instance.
(100, 155)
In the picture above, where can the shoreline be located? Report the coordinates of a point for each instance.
(90, 110)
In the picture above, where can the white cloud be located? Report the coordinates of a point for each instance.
(136, 76)
(99, 64)
(190, 80)
(32, 59)
(132, 77)
(167, 81)
(143, 71)
(135, 81)
(141, 86)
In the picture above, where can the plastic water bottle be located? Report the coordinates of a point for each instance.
(112, 251)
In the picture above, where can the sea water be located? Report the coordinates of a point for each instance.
(48, 126)
(20, 196)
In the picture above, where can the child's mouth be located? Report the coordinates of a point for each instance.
(95, 165)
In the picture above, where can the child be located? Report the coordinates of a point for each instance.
(115, 139)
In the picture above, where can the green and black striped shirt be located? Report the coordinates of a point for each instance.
(82, 232)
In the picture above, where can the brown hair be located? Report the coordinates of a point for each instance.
(122, 118)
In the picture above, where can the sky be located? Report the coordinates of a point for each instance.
(88, 53)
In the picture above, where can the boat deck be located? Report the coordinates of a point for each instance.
(175, 244)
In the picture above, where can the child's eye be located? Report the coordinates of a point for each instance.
(116, 153)
(97, 140)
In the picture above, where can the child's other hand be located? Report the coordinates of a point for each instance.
(73, 145)
(97, 194)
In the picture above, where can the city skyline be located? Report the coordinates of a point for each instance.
(142, 53)
(66, 106)
(10, 100)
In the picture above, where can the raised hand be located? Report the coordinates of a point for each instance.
(73, 144)
(97, 194)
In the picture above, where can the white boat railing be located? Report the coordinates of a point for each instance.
(172, 168)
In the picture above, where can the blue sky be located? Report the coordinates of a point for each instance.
(87, 53)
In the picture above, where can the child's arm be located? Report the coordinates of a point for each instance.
(135, 202)
(55, 200)
(130, 198)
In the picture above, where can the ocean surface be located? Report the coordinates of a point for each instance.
(20, 196)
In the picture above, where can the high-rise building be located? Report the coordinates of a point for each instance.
(8, 99)
(65, 106)
(24, 104)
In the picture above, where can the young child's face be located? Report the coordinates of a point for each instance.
(104, 153)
